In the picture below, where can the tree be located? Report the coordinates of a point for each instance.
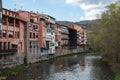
(105, 33)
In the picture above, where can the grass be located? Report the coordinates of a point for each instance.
(116, 69)
(14, 70)
(117, 75)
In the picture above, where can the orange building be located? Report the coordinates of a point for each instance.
(32, 35)
(42, 30)
(12, 38)
(0, 17)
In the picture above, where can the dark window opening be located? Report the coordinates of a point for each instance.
(34, 35)
(4, 45)
(14, 46)
(47, 44)
(58, 43)
(10, 20)
(17, 24)
(31, 20)
(4, 33)
(0, 45)
(30, 35)
(10, 34)
(36, 26)
(8, 45)
(41, 50)
(4, 22)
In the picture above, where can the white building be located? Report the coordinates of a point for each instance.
(50, 34)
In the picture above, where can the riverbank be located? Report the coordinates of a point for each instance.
(12, 71)
(116, 69)
(61, 54)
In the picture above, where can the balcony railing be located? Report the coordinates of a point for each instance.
(10, 51)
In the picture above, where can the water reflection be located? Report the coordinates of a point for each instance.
(78, 67)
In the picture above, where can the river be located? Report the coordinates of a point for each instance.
(77, 67)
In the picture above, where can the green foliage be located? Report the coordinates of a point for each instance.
(105, 33)
(117, 76)
(16, 69)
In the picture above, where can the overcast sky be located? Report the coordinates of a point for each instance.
(64, 10)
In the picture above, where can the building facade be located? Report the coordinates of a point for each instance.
(12, 39)
(0, 17)
(65, 37)
(32, 44)
(47, 34)
(27, 36)
(58, 39)
(50, 34)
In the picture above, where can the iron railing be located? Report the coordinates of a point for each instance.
(10, 51)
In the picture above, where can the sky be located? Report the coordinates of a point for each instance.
(62, 10)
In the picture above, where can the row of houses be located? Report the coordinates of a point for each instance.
(28, 35)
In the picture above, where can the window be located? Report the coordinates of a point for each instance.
(58, 43)
(0, 45)
(47, 44)
(4, 33)
(33, 35)
(42, 50)
(10, 20)
(10, 34)
(14, 46)
(36, 26)
(17, 23)
(0, 29)
(37, 35)
(48, 30)
(4, 22)
(30, 45)
(30, 34)
(4, 45)
(8, 45)
(32, 20)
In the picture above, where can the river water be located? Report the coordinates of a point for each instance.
(77, 67)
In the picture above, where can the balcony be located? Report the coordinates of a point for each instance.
(51, 20)
(5, 52)
(48, 37)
